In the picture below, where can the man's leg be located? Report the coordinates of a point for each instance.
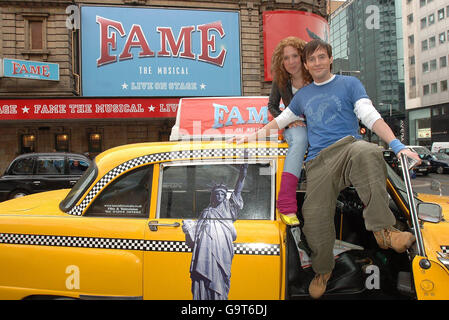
(318, 211)
(367, 172)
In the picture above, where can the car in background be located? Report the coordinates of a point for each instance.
(444, 150)
(439, 162)
(390, 157)
(425, 167)
(37, 172)
(440, 147)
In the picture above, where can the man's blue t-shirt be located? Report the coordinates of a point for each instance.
(329, 111)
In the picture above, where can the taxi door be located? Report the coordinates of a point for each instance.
(203, 245)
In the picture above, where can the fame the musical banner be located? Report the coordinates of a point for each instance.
(159, 52)
(200, 118)
(87, 108)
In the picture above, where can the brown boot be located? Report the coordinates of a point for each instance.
(392, 238)
(318, 285)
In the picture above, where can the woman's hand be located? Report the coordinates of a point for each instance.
(240, 139)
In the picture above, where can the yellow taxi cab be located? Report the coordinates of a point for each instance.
(197, 220)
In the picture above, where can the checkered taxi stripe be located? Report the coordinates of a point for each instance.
(127, 244)
(170, 156)
(445, 249)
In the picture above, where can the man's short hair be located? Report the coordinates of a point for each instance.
(312, 46)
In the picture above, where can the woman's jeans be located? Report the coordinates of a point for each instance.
(296, 138)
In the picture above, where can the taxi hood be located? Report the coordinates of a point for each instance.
(44, 203)
(443, 201)
(436, 235)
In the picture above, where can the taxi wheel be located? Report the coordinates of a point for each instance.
(17, 194)
(440, 170)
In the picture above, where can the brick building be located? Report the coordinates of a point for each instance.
(38, 31)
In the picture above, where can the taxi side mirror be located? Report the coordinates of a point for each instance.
(430, 212)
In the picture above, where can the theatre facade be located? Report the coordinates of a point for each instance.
(86, 76)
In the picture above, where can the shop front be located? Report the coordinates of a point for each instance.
(81, 125)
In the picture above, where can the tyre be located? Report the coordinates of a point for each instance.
(440, 170)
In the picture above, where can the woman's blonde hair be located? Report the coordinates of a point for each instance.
(280, 75)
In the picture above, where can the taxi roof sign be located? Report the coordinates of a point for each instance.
(219, 117)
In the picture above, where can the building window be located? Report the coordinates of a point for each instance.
(412, 81)
(35, 34)
(95, 141)
(426, 89)
(433, 65)
(410, 18)
(433, 88)
(431, 19)
(424, 45)
(425, 67)
(435, 112)
(432, 42)
(412, 60)
(27, 143)
(411, 40)
(442, 37)
(62, 142)
(443, 85)
(447, 11)
(443, 62)
(441, 14)
(422, 3)
(423, 23)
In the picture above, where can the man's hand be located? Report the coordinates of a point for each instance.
(411, 154)
(297, 123)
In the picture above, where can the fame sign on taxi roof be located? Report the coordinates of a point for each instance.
(218, 117)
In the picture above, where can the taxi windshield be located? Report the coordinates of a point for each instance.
(400, 187)
(78, 189)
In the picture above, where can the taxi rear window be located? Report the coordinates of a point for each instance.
(187, 190)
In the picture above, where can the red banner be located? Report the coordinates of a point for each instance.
(278, 25)
(220, 117)
(87, 108)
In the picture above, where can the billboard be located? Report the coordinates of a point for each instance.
(278, 25)
(27, 69)
(159, 52)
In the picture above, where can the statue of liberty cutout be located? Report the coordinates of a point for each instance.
(211, 240)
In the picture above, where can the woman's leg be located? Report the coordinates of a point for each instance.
(296, 138)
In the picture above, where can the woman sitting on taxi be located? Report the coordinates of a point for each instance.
(289, 75)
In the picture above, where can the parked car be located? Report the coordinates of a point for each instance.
(390, 157)
(37, 172)
(125, 231)
(439, 162)
(437, 146)
(444, 150)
